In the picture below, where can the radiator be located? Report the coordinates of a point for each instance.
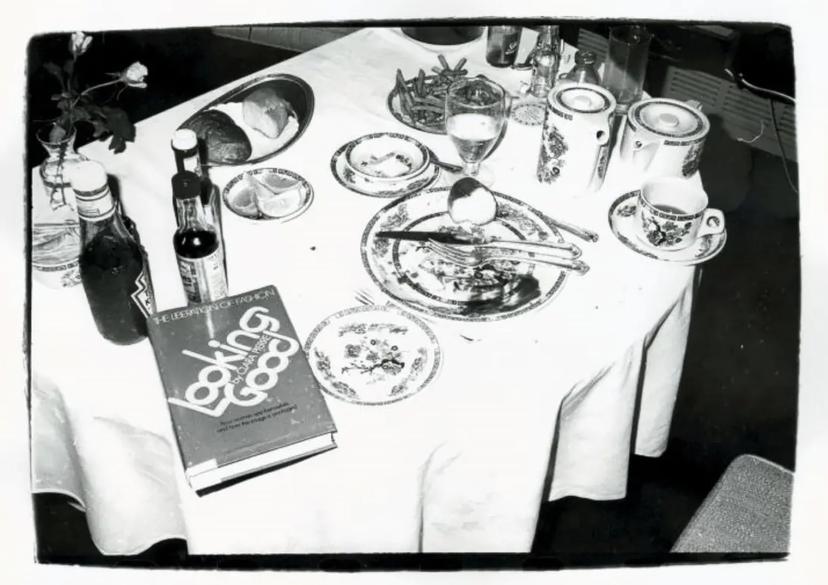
(744, 115)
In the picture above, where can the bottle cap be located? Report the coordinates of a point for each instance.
(88, 176)
(186, 185)
(585, 58)
(184, 140)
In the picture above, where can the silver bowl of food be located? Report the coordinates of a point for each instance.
(253, 121)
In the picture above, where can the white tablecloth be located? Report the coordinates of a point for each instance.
(548, 404)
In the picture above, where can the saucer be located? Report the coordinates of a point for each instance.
(349, 179)
(373, 355)
(623, 221)
(387, 157)
(528, 111)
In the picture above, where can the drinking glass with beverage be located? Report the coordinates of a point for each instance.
(502, 43)
(475, 116)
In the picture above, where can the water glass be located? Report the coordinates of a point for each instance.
(475, 117)
(627, 63)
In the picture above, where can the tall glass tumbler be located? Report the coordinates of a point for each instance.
(626, 67)
(502, 45)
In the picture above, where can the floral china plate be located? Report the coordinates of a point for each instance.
(349, 179)
(415, 277)
(623, 220)
(373, 355)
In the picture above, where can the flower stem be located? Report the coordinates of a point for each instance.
(92, 88)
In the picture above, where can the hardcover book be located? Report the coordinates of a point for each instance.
(241, 394)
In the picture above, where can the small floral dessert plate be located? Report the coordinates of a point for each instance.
(623, 220)
(268, 194)
(373, 355)
(378, 187)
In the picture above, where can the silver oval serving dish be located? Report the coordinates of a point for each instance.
(224, 128)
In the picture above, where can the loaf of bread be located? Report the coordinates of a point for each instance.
(224, 140)
(266, 112)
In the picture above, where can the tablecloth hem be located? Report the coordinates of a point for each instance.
(651, 451)
(139, 548)
(62, 492)
(586, 494)
(136, 550)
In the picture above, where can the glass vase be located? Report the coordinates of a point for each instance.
(55, 224)
(56, 170)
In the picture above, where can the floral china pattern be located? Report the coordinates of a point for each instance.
(667, 233)
(625, 227)
(553, 149)
(373, 355)
(692, 159)
(323, 366)
(349, 179)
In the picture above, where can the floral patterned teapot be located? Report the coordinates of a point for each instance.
(575, 143)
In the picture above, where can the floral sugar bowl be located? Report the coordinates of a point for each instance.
(575, 143)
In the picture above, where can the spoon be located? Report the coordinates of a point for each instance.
(471, 201)
(452, 168)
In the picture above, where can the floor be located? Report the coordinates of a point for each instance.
(738, 393)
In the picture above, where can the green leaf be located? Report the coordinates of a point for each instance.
(98, 128)
(56, 71)
(122, 129)
(94, 109)
(117, 144)
(80, 115)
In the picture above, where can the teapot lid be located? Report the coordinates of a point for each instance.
(582, 98)
(669, 118)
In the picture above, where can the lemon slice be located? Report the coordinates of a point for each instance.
(283, 203)
(245, 202)
(278, 202)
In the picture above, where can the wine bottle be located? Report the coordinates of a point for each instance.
(113, 269)
(196, 244)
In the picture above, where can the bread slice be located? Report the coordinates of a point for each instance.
(266, 112)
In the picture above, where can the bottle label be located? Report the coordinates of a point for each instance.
(191, 163)
(95, 205)
(143, 294)
(203, 278)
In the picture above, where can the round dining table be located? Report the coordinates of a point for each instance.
(547, 404)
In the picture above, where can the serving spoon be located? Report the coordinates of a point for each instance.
(470, 200)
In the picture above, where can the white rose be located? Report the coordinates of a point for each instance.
(79, 43)
(134, 75)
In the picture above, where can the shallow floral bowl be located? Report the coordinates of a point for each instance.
(386, 157)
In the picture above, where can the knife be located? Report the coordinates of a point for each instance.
(480, 241)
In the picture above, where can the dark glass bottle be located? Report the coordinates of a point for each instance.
(188, 158)
(584, 69)
(113, 269)
(196, 244)
(502, 45)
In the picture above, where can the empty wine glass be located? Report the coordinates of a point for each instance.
(475, 116)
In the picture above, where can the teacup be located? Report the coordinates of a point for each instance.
(673, 213)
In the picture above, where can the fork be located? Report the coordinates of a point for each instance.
(479, 256)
